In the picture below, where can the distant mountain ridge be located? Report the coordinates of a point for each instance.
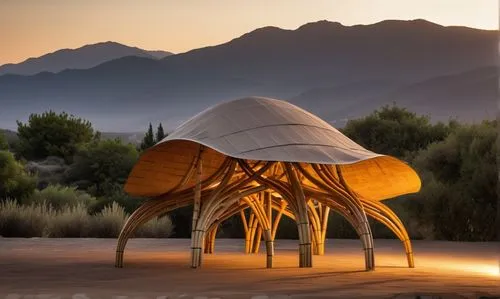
(84, 57)
(466, 96)
(334, 70)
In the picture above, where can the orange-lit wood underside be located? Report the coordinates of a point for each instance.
(182, 173)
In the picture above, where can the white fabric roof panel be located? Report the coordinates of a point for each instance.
(264, 129)
(258, 128)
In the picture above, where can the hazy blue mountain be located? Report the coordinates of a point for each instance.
(357, 64)
(468, 96)
(159, 54)
(81, 58)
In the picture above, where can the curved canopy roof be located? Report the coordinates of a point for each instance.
(263, 129)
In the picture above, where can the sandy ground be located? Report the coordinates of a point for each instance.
(83, 268)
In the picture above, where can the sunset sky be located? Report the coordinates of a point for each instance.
(30, 28)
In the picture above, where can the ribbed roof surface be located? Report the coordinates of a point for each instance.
(257, 128)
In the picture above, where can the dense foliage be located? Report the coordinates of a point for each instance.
(102, 166)
(395, 131)
(72, 182)
(3, 142)
(15, 182)
(52, 134)
(460, 174)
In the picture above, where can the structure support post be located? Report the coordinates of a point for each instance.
(386, 216)
(318, 217)
(210, 240)
(196, 235)
(305, 250)
(257, 207)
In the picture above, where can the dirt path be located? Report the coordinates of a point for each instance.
(83, 268)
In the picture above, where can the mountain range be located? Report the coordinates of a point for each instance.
(338, 72)
(81, 58)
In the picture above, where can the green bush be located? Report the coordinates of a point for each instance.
(130, 204)
(102, 167)
(60, 197)
(395, 131)
(459, 194)
(15, 182)
(4, 145)
(24, 220)
(52, 134)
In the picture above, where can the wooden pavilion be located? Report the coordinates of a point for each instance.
(264, 158)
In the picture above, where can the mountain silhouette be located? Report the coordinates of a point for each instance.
(369, 64)
(82, 58)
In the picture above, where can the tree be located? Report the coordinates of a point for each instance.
(15, 182)
(149, 139)
(160, 134)
(395, 131)
(102, 167)
(52, 134)
(459, 194)
(3, 143)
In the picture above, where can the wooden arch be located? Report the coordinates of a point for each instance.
(302, 191)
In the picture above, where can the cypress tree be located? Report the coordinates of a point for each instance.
(160, 134)
(149, 139)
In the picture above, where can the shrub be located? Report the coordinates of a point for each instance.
(3, 142)
(459, 193)
(39, 219)
(60, 197)
(70, 222)
(395, 131)
(15, 182)
(158, 227)
(102, 167)
(24, 220)
(108, 223)
(49, 171)
(129, 204)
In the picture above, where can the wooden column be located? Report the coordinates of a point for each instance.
(197, 235)
(256, 205)
(210, 240)
(318, 217)
(305, 250)
(325, 180)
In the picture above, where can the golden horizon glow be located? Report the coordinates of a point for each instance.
(31, 28)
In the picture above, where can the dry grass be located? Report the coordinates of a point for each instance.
(108, 223)
(24, 220)
(72, 221)
(160, 227)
